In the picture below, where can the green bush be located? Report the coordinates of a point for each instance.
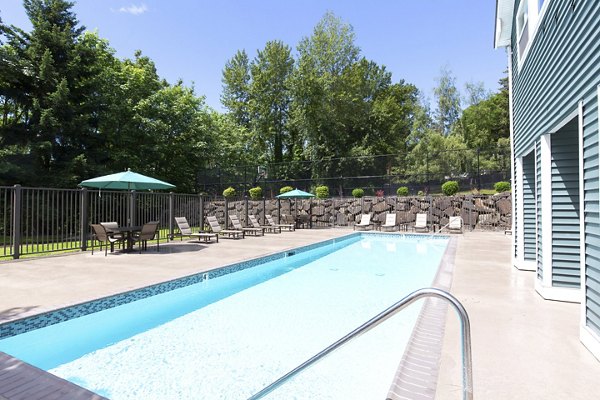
(255, 193)
(322, 192)
(402, 191)
(229, 192)
(502, 187)
(420, 193)
(285, 189)
(358, 193)
(450, 188)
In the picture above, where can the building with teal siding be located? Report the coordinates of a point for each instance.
(553, 49)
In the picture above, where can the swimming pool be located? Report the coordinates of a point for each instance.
(229, 335)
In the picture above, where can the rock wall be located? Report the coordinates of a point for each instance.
(477, 211)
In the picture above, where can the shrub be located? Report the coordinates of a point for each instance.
(420, 193)
(322, 192)
(285, 189)
(379, 193)
(358, 193)
(450, 188)
(402, 191)
(229, 192)
(502, 187)
(255, 193)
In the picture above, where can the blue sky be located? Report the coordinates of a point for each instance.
(192, 40)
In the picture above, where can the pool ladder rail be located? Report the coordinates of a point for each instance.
(467, 363)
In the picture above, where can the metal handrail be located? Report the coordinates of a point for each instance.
(373, 322)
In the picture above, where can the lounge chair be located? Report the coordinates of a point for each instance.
(421, 223)
(104, 238)
(237, 225)
(455, 224)
(267, 228)
(149, 232)
(229, 233)
(390, 222)
(289, 227)
(185, 230)
(365, 222)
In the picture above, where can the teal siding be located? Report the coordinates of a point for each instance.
(562, 67)
(566, 270)
(591, 215)
(516, 225)
(538, 202)
(529, 226)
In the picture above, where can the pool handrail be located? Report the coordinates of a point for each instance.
(467, 362)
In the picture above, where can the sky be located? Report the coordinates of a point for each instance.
(193, 39)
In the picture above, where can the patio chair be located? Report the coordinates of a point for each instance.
(112, 229)
(229, 233)
(104, 238)
(149, 232)
(289, 227)
(455, 224)
(390, 222)
(267, 228)
(185, 230)
(365, 222)
(237, 225)
(421, 223)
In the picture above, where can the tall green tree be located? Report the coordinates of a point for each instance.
(447, 99)
(270, 98)
(236, 87)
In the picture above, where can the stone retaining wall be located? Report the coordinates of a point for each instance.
(477, 211)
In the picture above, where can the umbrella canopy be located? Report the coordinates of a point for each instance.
(126, 180)
(295, 194)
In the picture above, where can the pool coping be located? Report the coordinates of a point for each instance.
(417, 373)
(39, 384)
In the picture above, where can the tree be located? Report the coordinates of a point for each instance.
(236, 86)
(447, 101)
(476, 92)
(270, 99)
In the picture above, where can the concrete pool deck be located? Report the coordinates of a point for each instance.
(523, 346)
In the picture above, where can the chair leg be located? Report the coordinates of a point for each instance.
(105, 249)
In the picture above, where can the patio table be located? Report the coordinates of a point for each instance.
(128, 231)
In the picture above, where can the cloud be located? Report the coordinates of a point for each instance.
(133, 9)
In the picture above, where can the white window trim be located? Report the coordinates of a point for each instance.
(532, 36)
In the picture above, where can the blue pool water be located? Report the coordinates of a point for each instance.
(226, 338)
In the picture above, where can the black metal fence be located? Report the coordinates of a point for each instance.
(472, 168)
(46, 220)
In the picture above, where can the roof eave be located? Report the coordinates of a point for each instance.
(503, 23)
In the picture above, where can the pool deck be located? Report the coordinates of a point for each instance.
(524, 347)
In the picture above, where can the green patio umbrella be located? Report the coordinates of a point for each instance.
(296, 194)
(127, 180)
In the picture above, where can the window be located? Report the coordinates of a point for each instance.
(522, 27)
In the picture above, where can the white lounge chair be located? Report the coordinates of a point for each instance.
(390, 222)
(229, 233)
(237, 225)
(185, 230)
(421, 223)
(455, 224)
(365, 222)
(266, 228)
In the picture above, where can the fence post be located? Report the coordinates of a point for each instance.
(310, 213)
(226, 224)
(201, 212)
(264, 216)
(171, 212)
(278, 211)
(246, 210)
(478, 172)
(83, 218)
(16, 233)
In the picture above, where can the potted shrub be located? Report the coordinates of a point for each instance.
(402, 191)
(285, 189)
(450, 188)
(229, 192)
(255, 193)
(358, 193)
(322, 192)
(502, 187)
(379, 193)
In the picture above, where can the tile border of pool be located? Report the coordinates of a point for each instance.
(32, 379)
